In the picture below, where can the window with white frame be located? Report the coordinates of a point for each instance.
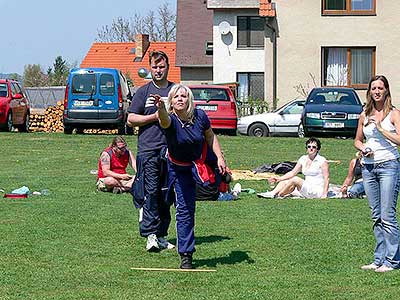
(349, 7)
(353, 66)
(251, 86)
(250, 32)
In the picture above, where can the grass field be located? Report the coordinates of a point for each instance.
(76, 243)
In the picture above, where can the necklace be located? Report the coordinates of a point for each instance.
(183, 123)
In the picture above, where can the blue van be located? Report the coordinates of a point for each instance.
(96, 98)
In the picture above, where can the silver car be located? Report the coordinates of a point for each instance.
(284, 121)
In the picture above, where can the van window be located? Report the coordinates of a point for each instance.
(210, 94)
(84, 84)
(107, 85)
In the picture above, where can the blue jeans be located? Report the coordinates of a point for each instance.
(381, 182)
(356, 190)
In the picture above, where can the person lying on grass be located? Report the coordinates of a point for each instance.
(111, 173)
(316, 172)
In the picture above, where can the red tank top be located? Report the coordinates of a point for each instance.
(117, 164)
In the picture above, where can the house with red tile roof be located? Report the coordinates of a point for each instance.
(129, 57)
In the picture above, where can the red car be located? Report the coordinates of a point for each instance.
(14, 106)
(219, 103)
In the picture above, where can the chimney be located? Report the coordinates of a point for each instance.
(142, 44)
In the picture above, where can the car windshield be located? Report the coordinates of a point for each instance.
(333, 97)
(207, 94)
(3, 90)
(84, 84)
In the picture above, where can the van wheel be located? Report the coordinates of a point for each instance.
(67, 129)
(129, 130)
(258, 130)
(79, 130)
(121, 130)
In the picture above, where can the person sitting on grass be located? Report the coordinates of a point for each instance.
(220, 190)
(315, 169)
(111, 172)
(353, 180)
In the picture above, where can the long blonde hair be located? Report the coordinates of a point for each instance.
(370, 104)
(174, 90)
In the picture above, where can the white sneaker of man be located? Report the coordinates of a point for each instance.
(152, 243)
(164, 244)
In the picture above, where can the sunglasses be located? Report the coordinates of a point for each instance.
(311, 147)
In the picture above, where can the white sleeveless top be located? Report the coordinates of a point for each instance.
(313, 185)
(383, 148)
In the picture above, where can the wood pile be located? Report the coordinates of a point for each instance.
(50, 121)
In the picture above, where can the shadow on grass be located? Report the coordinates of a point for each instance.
(234, 257)
(210, 239)
(206, 239)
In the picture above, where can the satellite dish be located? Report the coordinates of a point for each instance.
(224, 27)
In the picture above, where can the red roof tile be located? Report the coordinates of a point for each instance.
(118, 56)
(267, 9)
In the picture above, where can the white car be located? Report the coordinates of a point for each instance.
(283, 121)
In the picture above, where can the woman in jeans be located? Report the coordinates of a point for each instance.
(380, 125)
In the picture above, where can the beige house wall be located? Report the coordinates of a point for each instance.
(302, 31)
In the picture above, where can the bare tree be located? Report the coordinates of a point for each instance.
(159, 27)
(166, 23)
(304, 89)
(150, 26)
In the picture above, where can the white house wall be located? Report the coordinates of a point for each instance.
(227, 59)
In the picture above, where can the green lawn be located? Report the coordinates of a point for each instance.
(76, 243)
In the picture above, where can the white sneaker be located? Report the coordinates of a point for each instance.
(164, 244)
(152, 243)
(266, 195)
(372, 266)
(237, 188)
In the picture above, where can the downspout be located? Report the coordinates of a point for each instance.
(274, 65)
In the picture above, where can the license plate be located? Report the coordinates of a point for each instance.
(83, 103)
(334, 125)
(207, 107)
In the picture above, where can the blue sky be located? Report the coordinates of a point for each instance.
(37, 31)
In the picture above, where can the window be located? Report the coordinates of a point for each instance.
(250, 32)
(209, 48)
(3, 90)
(348, 66)
(84, 84)
(251, 86)
(348, 7)
(293, 109)
(107, 86)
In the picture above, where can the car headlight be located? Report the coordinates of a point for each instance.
(313, 115)
(353, 116)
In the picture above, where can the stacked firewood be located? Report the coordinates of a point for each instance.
(50, 121)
